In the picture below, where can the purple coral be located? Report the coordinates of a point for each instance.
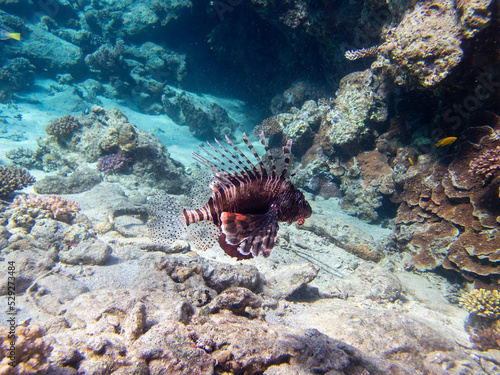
(112, 163)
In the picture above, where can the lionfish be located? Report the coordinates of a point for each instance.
(247, 203)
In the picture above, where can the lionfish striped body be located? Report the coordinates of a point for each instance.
(247, 203)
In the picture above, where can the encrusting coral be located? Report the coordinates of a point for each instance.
(31, 351)
(14, 179)
(26, 208)
(112, 163)
(63, 127)
(482, 302)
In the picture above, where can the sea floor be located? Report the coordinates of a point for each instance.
(313, 306)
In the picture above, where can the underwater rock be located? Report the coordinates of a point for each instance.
(240, 301)
(218, 276)
(289, 279)
(372, 282)
(81, 180)
(344, 236)
(91, 251)
(30, 265)
(423, 49)
(50, 53)
(359, 105)
(51, 293)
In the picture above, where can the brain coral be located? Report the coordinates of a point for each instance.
(13, 179)
(63, 127)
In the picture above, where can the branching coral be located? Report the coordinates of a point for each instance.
(486, 164)
(361, 53)
(31, 351)
(112, 163)
(26, 208)
(63, 127)
(482, 302)
(14, 179)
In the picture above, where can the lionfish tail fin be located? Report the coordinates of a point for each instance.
(246, 236)
(166, 224)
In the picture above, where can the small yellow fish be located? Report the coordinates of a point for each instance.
(4, 35)
(411, 162)
(446, 141)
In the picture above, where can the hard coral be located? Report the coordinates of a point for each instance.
(63, 127)
(424, 47)
(13, 179)
(25, 209)
(453, 217)
(486, 164)
(482, 302)
(112, 163)
(31, 351)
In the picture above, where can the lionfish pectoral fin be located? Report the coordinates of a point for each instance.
(166, 223)
(250, 235)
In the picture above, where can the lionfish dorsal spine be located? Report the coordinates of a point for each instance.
(234, 161)
(207, 163)
(268, 153)
(225, 167)
(255, 171)
(256, 155)
(287, 149)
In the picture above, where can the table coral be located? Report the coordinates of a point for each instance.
(31, 351)
(13, 179)
(26, 208)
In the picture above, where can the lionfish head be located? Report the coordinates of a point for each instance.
(297, 209)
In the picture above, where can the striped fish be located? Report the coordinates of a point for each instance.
(247, 203)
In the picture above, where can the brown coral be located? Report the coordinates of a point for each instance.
(486, 164)
(31, 351)
(361, 53)
(26, 208)
(453, 216)
(13, 179)
(63, 127)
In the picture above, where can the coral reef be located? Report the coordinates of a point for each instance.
(361, 53)
(449, 211)
(112, 163)
(12, 179)
(360, 104)
(25, 209)
(105, 132)
(203, 123)
(108, 59)
(30, 351)
(426, 45)
(63, 127)
(486, 164)
(482, 302)
(17, 73)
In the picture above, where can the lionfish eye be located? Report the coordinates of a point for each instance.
(301, 221)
